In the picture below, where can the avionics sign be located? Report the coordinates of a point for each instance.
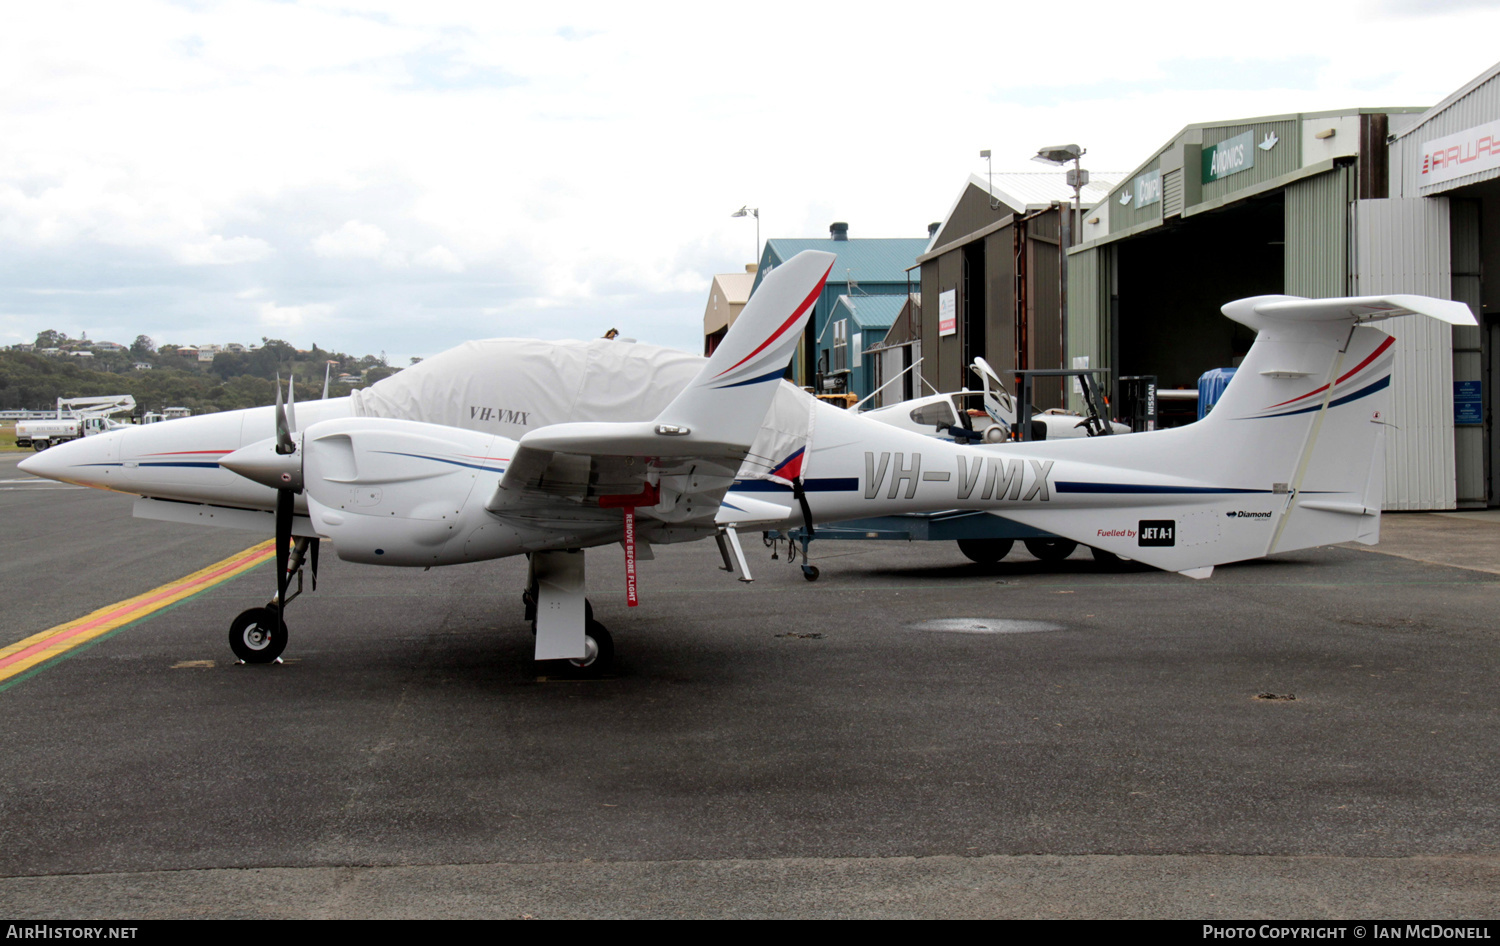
(1466, 152)
(1230, 156)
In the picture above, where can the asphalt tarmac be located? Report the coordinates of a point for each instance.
(911, 735)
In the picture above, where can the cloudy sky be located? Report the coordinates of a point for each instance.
(402, 176)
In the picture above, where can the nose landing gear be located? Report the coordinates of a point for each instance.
(259, 635)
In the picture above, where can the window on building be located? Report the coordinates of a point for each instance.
(841, 345)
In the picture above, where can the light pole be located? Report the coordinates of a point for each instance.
(1077, 177)
(990, 168)
(748, 211)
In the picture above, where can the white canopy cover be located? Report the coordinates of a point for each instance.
(509, 386)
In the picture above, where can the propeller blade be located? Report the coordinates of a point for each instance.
(327, 373)
(283, 539)
(315, 543)
(284, 444)
(291, 403)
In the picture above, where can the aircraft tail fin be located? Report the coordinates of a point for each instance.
(733, 392)
(716, 417)
(1292, 455)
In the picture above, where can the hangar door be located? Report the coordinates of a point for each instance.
(1402, 246)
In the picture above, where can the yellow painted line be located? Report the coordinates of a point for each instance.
(23, 655)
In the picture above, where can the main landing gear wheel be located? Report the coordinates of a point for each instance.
(598, 650)
(1051, 550)
(1113, 562)
(985, 551)
(598, 644)
(1109, 559)
(258, 636)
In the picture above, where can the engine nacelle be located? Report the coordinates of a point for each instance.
(398, 492)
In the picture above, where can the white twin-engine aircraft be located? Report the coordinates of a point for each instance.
(514, 446)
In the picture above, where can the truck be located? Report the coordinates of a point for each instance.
(76, 417)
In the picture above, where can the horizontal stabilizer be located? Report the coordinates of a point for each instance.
(741, 508)
(1257, 310)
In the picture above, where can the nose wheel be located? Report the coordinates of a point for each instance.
(258, 636)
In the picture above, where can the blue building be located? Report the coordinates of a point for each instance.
(858, 323)
(865, 269)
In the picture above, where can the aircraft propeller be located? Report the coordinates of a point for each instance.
(259, 634)
(290, 482)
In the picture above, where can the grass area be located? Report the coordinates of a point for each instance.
(8, 437)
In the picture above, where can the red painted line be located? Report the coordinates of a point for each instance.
(126, 609)
(1347, 375)
(811, 296)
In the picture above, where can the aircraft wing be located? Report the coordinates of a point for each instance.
(676, 467)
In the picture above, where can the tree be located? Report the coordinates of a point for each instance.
(284, 352)
(230, 364)
(143, 346)
(51, 338)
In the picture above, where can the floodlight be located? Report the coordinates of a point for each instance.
(1059, 154)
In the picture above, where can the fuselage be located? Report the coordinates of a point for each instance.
(425, 504)
(177, 459)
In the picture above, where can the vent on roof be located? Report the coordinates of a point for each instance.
(839, 231)
(932, 229)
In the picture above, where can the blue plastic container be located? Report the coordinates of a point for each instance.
(1211, 387)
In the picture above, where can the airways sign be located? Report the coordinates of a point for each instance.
(1466, 152)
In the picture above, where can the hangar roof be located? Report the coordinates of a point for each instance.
(1020, 191)
(865, 260)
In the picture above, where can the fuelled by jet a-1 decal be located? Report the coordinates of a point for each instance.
(517, 446)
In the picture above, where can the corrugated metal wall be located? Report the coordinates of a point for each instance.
(1317, 234)
(973, 212)
(1284, 158)
(1478, 106)
(1044, 306)
(1000, 283)
(1124, 216)
(1481, 105)
(1088, 311)
(1402, 246)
